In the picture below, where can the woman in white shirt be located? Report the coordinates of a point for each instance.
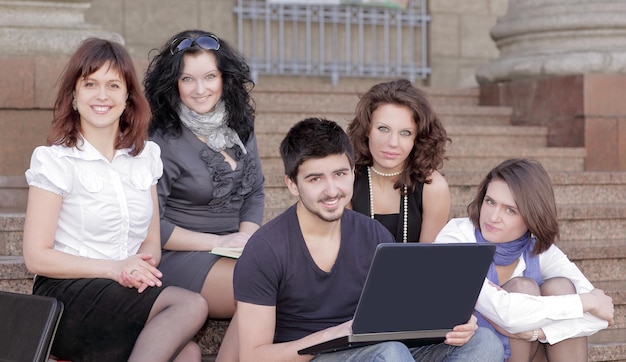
(91, 233)
(534, 297)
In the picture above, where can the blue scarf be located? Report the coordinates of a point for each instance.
(507, 253)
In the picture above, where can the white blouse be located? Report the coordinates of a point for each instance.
(560, 317)
(107, 206)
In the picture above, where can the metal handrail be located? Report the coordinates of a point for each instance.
(334, 40)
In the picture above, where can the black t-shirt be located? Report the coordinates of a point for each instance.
(276, 269)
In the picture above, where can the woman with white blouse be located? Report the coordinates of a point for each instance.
(537, 300)
(91, 233)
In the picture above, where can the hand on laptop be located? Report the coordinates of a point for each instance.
(461, 334)
(337, 331)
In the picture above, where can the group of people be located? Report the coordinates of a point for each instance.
(136, 187)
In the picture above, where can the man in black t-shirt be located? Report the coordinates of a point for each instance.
(300, 276)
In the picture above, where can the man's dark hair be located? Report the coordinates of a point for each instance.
(313, 138)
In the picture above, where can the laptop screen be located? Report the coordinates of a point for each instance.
(418, 286)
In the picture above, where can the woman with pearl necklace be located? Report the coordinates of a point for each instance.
(399, 146)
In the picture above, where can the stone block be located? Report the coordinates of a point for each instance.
(210, 335)
(604, 94)
(580, 110)
(17, 76)
(141, 65)
(224, 25)
(475, 39)
(445, 72)
(13, 194)
(467, 74)
(554, 102)
(444, 35)
(107, 13)
(47, 70)
(145, 30)
(22, 131)
(621, 143)
(459, 6)
(498, 7)
(602, 138)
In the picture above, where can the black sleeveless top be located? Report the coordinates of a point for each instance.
(393, 222)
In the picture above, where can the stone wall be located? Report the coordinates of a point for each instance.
(459, 39)
(31, 57)
(146, 24)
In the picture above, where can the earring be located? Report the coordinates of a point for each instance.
(74, 106)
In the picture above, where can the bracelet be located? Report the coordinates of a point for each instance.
(535, 336)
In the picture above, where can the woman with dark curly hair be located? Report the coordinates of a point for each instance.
(211, 193)
(399, 145)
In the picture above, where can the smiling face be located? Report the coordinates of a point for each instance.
(101, 99)
(324, 186)
(391, 137)
(200, 84)
(500, 219)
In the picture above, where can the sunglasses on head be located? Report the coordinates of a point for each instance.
(208, 42)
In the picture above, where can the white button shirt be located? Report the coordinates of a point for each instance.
(107, 206)
(560, 317)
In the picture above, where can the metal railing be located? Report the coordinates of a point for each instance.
(334, 40)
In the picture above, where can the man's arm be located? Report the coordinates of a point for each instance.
(256, 324)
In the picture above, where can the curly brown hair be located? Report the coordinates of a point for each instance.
(428, 151)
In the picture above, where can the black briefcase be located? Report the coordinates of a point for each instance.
(28, 324)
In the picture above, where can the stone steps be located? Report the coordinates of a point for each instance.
(569, 187)
(464, 138)
(449, 116)
(553, 159)
(592, 206)
(464, 157)
(13, 192)
(14, 277)
(582, 222)
(11, 230)
(270, 90)
(596, 223)
(292, 100)
(603, 262)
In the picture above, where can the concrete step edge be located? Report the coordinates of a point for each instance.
(576, 211)
(355, 86)
(465, 178)
(554, 152)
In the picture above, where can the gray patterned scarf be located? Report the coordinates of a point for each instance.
(211, 126)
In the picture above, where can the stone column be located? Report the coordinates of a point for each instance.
(36, 37)
(562, 64)
(46, 26)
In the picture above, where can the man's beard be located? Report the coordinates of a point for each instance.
(328, 217)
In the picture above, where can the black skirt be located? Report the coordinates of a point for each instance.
(101, 319)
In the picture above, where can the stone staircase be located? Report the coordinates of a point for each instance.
(592, 205)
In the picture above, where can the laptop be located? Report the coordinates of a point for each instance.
(415, 293)
(29, 323)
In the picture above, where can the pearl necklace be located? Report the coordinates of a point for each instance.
(391, 174)
(405, 199)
